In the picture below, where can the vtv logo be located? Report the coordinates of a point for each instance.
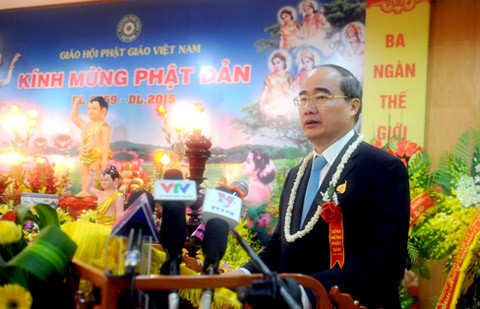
(225, 200)
(175, 188)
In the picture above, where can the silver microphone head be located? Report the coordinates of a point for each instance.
(241, 185)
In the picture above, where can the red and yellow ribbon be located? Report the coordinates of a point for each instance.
(337, 252)
(456, 276)
(332, 214)
(418, 206)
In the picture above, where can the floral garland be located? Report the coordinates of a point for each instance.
(326, 197)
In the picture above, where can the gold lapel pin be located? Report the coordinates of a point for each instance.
(342, 187)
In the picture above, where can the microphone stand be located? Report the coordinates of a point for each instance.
(132, 258)
(172, 267)
(273, 277)
(207, 295)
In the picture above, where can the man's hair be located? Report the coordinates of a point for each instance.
(101, 101)
(350, 85)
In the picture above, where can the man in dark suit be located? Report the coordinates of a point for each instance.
(354, 234)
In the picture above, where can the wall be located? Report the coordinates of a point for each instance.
(453, 103)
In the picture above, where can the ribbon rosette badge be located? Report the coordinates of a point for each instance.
(331, 212)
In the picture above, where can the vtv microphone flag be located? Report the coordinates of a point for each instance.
(221, 212)
(175, 190)
(222, 205)
(174, 194)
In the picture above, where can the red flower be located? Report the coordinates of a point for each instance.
(75, 205)
(10, 216)
(407, 149)
(378, 143)
(330, 212)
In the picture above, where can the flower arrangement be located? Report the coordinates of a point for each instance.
(420, 182)
(450, 231)
(400, 147)
(444, 220)
(32, 269)
(76, 206)
(41, 179)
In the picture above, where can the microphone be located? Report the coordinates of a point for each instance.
(221, 212)
(237, 188)
(174, 194)
(196, 239)
(275, 284)
(136, 222)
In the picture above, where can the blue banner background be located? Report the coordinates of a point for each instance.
(214, 30)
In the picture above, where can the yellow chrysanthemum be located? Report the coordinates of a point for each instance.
(14, 296)
(9, 232)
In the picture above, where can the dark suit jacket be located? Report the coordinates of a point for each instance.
(376, 209)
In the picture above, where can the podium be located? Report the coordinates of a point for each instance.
(110, 287)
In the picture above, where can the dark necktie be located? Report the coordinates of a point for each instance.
(313, 185)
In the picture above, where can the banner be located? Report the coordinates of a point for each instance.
(242, 62)
(396, 61)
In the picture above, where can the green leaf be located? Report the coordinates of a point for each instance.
(467, 142)
(24, 214)
(47, 216)
(47, 256)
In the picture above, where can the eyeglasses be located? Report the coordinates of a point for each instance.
(317, 99)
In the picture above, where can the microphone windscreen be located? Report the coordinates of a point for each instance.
(173, 174)
(173, 232)
(214, 242)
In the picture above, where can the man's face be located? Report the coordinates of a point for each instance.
(95, 112)
(324, 125)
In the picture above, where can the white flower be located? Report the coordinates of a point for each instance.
(468, 191)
